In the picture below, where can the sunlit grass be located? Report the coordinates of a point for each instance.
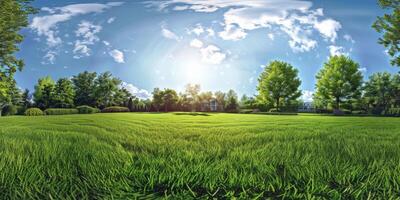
(186, 155)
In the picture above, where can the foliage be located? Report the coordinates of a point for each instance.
(87, 110)
(231, 101)
(339, 80)
(279, 83)
(389, 26)
(106, 87)
(33, 112)
(9, 110)
(44, 92)
(169, 99)
(61, 111)
(221, 156)
(395, 112)
(84, 85)
(64, 94)
(115, 109)
(378, 90)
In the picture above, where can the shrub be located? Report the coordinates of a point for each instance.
(87, 110)
(9, 110)
(115, 109)
(21, 110)
(395, 112)
(33, 112)
(61, 111)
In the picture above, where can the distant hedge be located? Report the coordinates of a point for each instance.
(395, 112)
(33, 112)
(87, 110)
(115, 109)
(10, 110)
(61, 111)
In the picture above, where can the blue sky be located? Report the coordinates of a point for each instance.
(220, 44)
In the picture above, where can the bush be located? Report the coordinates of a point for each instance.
(21, 110)
(9, 110)
(61, 111)
(87, 110)
(33, 112)
(115, 109)
(395, 112)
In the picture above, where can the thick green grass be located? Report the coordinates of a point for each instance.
(184, 156)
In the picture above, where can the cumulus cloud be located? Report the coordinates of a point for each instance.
(337, 50)
(307, 96)
(328, 28)
(165, 32)
(212, 55)
(87, 32)
(47, 25)
(117, 55)
(139, 93)
(293, 17)
(196, 43)
(271, 36)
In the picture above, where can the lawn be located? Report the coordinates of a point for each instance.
(184, 155)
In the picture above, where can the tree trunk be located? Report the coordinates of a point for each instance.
(277, 105)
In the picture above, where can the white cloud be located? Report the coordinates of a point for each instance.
(348, 38)
(87, 33)
(198, 30)
(49, 58)
(139, 93)
(106, 43)
(337, 51)
(328, 28)
(196, 43)
(212, 55)
(211, 32)
(169, 34)
(307, 96)
(111, 20)
(271, 36)
(47, 25)
(117, 55)
(296, 18)
(232, 32)
(363, 69)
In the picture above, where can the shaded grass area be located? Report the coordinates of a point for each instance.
(184, 156)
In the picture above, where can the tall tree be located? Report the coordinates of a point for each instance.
(13, 17)
(64, 93)
(26, 99)
(389, 25)
(106, 88)
(221, 101)
(279, 82)
(44, 92)
(231, 101)
(170, 98)
(339, 80)
(396, 90)
(192, 91)
(85, 86)
(157, 98)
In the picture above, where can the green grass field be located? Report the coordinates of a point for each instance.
(184, 155)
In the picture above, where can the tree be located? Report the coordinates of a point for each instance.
(339, 80)
(106, 88)
(157, 98)
(279, 83)
(26, 99)
(122, 97)
(44, 92)
(64, 94)
(13, 17)
(247, 102)
(169, 98)
(396, 90)
(378, 90)
(85, 86)
(231, 101)
(220, 98)
(192, 90)
(389, 25)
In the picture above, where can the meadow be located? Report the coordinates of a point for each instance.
(199, 155)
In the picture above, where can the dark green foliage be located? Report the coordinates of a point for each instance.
(33, 112)
(115, 109)
(44, 92)
(389, 26)
(106, 87)
(84, 85)
(395, 112)
(87, 110)
(61, 111)
(64, 94)
(231, 101)
(9, 110)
